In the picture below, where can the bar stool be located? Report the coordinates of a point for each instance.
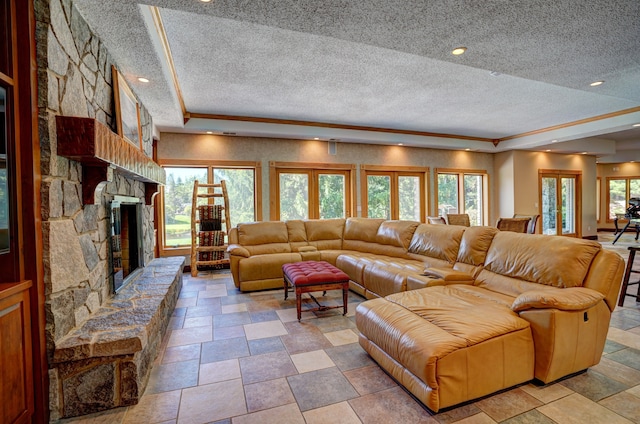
(627, 275)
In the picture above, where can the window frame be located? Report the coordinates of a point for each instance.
(313, 170)
(394, 172)
(209, 166)
(460, 174)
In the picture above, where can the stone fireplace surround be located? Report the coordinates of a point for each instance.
(89, 371)
(104, 361)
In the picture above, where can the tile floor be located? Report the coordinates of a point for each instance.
(242, 358)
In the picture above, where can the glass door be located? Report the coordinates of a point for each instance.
(559, 204)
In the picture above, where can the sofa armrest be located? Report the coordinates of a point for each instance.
(449, 275)
(569, 299)
(237, 250)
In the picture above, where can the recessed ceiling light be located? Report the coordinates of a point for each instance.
(143, 79)
(205, 1)
(584, 153)
(458, 51)
(548, 150)
(400, 144)
(316, 138)
(209, 132)
(554, 141)
(467, 149)
(596, 83)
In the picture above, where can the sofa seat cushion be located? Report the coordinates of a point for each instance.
(262, 267)
(387, 275)
(412, 265)
(330, 255)
(459, 308)
(381, 280)
(353, 263)
(454, 340)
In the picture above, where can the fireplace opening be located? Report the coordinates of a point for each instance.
(127, 253)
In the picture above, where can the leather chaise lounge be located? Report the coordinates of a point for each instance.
(455, 313)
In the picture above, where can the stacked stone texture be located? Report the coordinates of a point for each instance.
(75, 79)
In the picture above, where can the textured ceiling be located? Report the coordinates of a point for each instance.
(386, 64)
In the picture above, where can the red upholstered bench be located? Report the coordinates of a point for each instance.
(310, 276)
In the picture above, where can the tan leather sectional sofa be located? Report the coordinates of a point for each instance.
(456, 313)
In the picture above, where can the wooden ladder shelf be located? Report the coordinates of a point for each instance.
(220, 222)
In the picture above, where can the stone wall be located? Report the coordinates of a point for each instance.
(75, 79)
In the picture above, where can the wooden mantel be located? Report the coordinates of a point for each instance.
(101, 151)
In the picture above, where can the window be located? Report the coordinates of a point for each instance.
(379, 196)
(241, 188)
(398, 193)
(619, 191)
(293, 198)
(310, 191)
(241, 181)
(178, 196)
(463, 191)
(332, 195)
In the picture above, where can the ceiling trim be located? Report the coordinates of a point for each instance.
(191, 115)
(164, 41)
(573, 123)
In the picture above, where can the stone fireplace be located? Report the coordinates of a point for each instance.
(100, 344)
(103, 361)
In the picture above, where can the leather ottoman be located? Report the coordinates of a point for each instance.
(311, 276)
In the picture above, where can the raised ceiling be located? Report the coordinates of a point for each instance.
(343, 69)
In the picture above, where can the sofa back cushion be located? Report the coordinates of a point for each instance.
(297, 234)
(325, 234)
(550, 260)
(475, 244)
(264, 237)
(362, 229)
(396, 233)
(437, 241)
(361, 234)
